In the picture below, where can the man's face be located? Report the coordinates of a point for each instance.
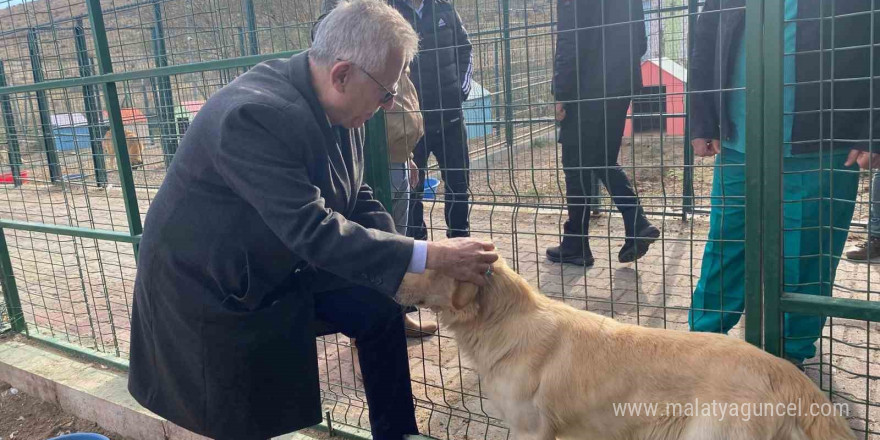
(365, 92)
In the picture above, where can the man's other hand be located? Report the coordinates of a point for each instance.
(706, 147)
(560, 111)
(866, 160)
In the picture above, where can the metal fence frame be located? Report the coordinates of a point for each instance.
(766, 300)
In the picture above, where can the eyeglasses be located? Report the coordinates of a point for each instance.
(389, 95)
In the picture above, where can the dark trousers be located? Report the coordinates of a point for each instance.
(590, 135)
(376, 321)
(449, 146)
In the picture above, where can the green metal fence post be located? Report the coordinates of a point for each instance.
(687, 203)
(754, 171)
(43, 107)
(111, 99)
(242, 47)
(251, 18)
(10, 290)
(11, 133)
(165, 101)
(772, 147)
(508, 80)
(90, 103)
(376, 162)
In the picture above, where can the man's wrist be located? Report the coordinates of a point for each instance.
(431, 256)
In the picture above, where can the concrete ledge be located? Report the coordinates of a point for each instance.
(100, 394)
(83, 390)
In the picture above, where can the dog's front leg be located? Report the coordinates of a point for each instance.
(516, 398)
(531, 425)
(532, 434)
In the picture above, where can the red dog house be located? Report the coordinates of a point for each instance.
(664, 84)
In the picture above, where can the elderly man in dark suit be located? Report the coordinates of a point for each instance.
(263, 225)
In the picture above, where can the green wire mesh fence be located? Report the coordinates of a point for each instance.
(71, 213)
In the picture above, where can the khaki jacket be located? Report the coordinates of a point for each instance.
(404, 125)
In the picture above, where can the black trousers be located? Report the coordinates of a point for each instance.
(449, 145)
(376, 321)
(590, 135)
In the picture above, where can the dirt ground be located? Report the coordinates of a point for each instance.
(28, 418)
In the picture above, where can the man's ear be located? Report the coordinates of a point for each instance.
(340, 75)
(464, 294)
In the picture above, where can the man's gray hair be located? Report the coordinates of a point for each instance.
(364, 32)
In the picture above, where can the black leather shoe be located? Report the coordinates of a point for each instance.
(633, 249)
(572, 255)
(457, 233)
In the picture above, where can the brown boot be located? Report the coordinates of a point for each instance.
(418, 329)
(868, 250)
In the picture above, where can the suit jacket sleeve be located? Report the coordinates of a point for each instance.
(704, 118)
(369, 212)
(259, 160)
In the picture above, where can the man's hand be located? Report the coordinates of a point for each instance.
(464, 259)
(560, 111)
(413, 172)
(706, 147)
(865, 159)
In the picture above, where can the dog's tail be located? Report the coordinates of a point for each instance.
(830, 427)
(818, 418)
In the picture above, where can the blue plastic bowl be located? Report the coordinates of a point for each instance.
(81, 436)
(431, 186)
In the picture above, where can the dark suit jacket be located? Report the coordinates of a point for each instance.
(599, 47)
(262, 208)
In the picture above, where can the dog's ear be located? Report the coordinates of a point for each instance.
(464, 294)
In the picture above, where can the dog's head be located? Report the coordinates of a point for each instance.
(436, 291)
(460, 302)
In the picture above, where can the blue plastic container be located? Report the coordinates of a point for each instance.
(81, 436)
(431, 186)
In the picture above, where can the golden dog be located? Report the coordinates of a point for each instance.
(135, 150)
(558, 372)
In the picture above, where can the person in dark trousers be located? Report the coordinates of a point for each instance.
(263, 229)
(597, 71)
(441, 74)
(828, 127)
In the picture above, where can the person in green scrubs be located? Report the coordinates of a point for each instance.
(820, 153)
